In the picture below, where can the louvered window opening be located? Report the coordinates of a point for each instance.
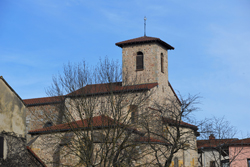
(139, 61)
(162, 61)
(1, 146)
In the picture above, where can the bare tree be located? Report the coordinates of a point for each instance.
(171, 128)
(98, 119)
(94, 123)
(217, 134)
(219, 127)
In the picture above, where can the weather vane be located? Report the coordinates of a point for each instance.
(145, 25)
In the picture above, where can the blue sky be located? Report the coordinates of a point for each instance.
(211, 40)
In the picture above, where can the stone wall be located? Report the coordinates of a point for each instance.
(12, 110)
(151, 72)
(16, 153)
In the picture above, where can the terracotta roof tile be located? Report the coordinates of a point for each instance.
(144, 39)
(240, 142)
(214, 142)
(43, 100)
(95, 89)
(34, 155)
(101, 121)
(108, 87)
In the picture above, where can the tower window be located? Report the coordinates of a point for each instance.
(162, 62)
(1, 146)
(139, 61)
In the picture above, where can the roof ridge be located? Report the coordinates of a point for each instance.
(44, 97)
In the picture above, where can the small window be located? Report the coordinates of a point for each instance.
(134, 113)
(248, 162)
(162, 63)
(139, 61)
(225, 163)
(212, 163)
(48, 124)
(176, 162)
(1, 146)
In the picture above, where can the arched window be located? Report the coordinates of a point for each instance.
(1, 147)
(139, 61)
(162, 63)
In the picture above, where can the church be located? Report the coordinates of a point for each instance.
(132, 122)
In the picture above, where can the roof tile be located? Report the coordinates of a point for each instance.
(43, 100)
(214, 142)
(95, 89)
(101, 121)
(144, 39)
(111, 87)
(98, 121)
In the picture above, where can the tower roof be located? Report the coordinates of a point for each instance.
(144, 39)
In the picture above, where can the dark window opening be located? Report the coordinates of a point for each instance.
(162, 63)
(212, 163)
(48, 124)
(248, 162)
(139, 61)
(1, 146)
(176, 162)
(225, 163)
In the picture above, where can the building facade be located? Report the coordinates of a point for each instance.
(143, 100)
(13, 150)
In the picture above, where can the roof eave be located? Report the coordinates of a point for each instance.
(105, 93)
(84, 128)
(164, 44)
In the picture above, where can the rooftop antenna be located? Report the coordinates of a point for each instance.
(145, 25)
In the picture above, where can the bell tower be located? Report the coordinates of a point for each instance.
(144, 60)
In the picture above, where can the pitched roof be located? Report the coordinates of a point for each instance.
(43, 100)
(214, 142)
(98, 89)
(144, 39)
(240, 142)
(97, 122)
(95, 89)
(35, 156)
